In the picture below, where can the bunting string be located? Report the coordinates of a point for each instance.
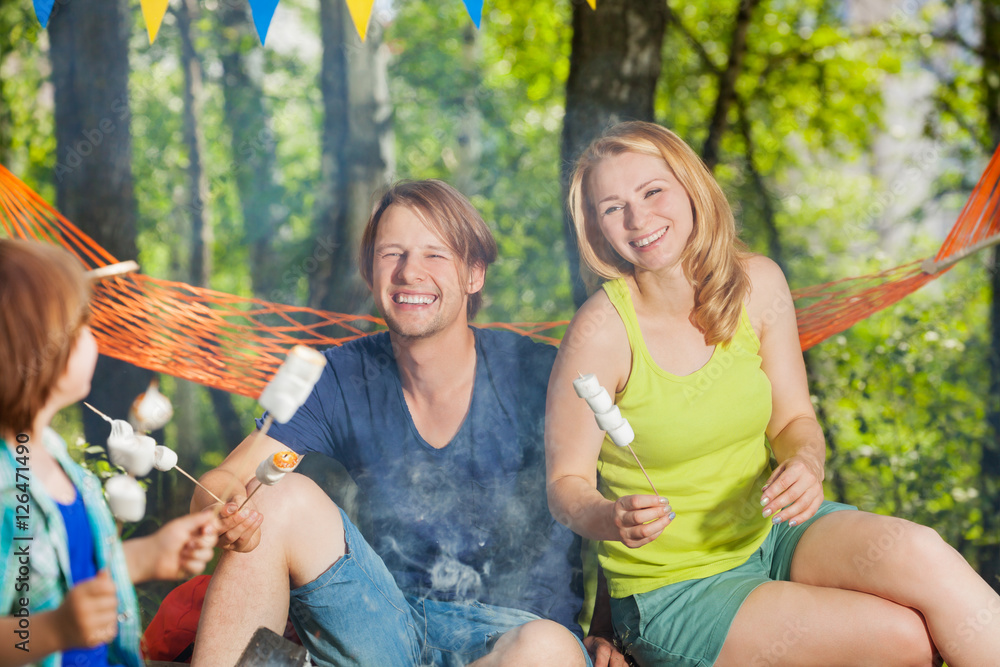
(153, 12)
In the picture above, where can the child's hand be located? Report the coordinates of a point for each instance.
(89, 612)
(181, 548)
(186, 545)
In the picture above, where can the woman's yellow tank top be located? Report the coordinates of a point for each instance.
(701, 439)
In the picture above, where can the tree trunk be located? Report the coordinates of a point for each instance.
(727, 83)
(356, 155)
(199, 224)
(94, 187)
(254, 163)
(989, 553)
(613, 70)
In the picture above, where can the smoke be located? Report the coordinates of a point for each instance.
(460, 581)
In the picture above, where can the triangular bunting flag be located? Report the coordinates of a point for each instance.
(152, 13)
(43, 9)
(475, 8)
(361, 12)
(592, 3)
(263, 12)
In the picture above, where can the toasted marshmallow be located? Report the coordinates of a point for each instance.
(151, 410)
(273, 468)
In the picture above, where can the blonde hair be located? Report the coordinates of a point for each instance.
(447, 213)
(713, 260)
(44, 302)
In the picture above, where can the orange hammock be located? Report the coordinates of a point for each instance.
(236, 343)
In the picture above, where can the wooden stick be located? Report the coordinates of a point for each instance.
(110, 270)
(259, 484)
(99, 413)
(655, 492)
(181, 471)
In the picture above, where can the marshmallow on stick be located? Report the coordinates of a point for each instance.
(273, 468)
(126, 449)
(292, 384)
(609, 417)
(126, 498)
(150, 410)
(137, 453)
(285, 394)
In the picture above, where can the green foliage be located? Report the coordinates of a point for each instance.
(905, 395)
(27, 136)
(904, 391)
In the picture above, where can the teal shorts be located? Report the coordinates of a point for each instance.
(685, 624)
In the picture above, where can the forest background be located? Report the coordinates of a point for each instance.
(847, 135)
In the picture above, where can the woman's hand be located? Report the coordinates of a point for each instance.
(794, 491)
(641, 519)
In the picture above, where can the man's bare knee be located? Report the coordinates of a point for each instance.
(304, 524)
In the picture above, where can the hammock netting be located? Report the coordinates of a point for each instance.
(236, 343)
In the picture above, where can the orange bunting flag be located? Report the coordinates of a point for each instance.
(361, 12)
(152, 14)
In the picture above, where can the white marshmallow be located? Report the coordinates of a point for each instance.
(164, 458)
(292, 384)
(600, 402)
(134, 453)
(623, 435)
(610, 420)
(586, 386)
(269, 473)
(126, 498)
(151, 410)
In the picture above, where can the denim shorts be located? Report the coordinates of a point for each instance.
(355, 614)
(685, 624)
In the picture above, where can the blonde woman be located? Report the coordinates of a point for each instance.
(739, 561)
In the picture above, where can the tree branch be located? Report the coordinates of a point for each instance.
(727, 83)
(699, 48)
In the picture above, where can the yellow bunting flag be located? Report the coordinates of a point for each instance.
(361, 12)
(592, 3)
(152, 13)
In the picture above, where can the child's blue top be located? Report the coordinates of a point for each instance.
(469, 521)
(83, 566)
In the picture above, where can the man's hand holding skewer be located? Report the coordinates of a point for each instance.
(240, 527)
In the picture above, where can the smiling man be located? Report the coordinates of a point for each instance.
(441, 426)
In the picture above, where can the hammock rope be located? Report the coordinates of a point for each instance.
(237, 343)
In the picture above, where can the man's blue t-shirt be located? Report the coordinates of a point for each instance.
(469, 521)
